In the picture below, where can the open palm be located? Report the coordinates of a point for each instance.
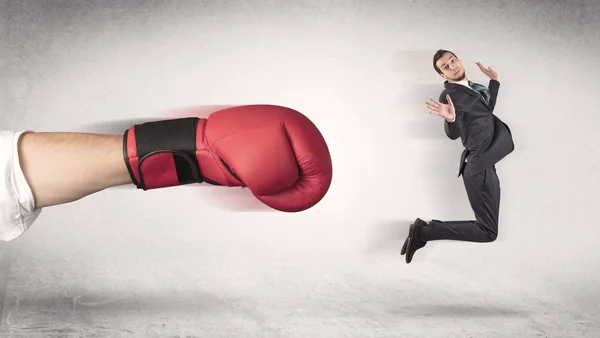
(446, 111)
(489, 71)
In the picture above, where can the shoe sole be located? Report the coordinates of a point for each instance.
(411, 233)
(405, 245)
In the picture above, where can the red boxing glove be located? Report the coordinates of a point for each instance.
(277, 152)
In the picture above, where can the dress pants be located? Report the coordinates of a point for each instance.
(483, 191)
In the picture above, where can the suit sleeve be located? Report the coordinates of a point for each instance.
(453, 129)
(494, 87)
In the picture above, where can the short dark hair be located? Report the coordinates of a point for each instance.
(437, 56)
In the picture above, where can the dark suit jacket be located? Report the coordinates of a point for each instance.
(486, 138)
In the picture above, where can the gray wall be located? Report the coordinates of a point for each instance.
(201, 259)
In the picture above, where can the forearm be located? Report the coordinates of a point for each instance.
(64, 167)
(494, 87)
(452, 128)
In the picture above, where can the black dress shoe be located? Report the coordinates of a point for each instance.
(405, 245)
(415, 239)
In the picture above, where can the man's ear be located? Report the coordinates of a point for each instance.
(443, 76)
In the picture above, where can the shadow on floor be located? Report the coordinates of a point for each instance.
(458, 311)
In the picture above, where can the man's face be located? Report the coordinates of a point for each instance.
(451, 67)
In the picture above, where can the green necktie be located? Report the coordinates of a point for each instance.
(483, 90)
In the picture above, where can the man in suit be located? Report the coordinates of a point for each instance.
(468, 112)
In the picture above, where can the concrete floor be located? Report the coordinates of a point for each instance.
(217, 264)
(215, 294)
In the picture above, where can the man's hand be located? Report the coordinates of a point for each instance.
(489, 72)
(446, 111)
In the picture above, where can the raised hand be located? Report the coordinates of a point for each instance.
(446, 111)
(489, 72)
